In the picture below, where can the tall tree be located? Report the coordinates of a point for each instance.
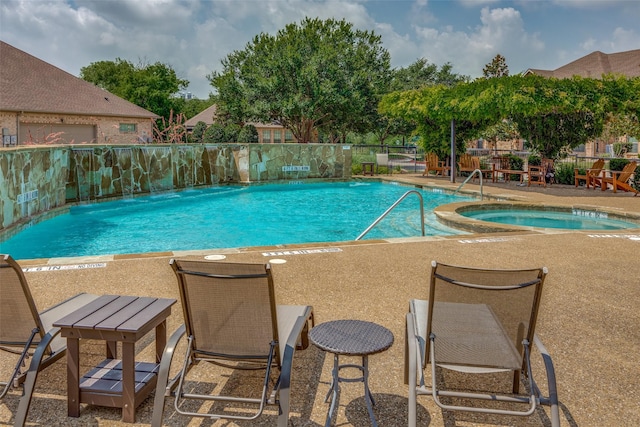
(496, 68)
(150, 86)
(316, 75)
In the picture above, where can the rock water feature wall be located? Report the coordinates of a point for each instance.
(34, 180)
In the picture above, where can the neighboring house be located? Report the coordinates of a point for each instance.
(267, 133)
(594, 66)
(40, 103)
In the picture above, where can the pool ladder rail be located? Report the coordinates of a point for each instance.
(467, 180)
(397, 202)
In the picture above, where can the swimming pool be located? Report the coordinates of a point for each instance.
(230, 217)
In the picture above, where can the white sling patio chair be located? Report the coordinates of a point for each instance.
(25, 333)
(475, 322)
(231, 318)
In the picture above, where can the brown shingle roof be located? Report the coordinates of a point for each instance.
(205, 116)
(32, 85)
(596, 64)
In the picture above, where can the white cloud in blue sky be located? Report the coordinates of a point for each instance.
(194, 36)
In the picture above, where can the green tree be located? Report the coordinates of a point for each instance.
(150, 86)
(214, 134)
(318, 75)
(496, 68)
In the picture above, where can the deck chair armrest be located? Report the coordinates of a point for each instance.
(32, 375)
(552, 399)
(165, 385)
(284, 390)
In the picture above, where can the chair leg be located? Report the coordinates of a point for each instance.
(413, 363)
(162, 386)
(32, 376)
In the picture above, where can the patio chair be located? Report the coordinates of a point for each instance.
(28, 334)
(231, 319)
(432, 163)
(477, 328)
(619, 180)
(593, 171)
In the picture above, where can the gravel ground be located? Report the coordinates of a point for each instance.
(588, 321)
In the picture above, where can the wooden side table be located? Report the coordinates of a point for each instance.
(116, 383)
(350, 338)
(367, 168)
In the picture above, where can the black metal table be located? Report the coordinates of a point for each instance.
(350, 338)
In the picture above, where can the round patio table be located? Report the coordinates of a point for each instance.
(350, 338)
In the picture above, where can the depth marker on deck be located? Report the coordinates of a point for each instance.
(302, 252)
(65, 267)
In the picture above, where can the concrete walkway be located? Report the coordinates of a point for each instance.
(589, 315)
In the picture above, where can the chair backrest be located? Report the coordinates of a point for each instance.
(229, 308)
(432, 159)
(466, 161)
(626, 172)
(478, 298)
(382, 159)
(18, 312)
(597, 166)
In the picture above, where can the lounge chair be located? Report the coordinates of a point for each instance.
(432, 163)
(231, 318)
(542, 174)
(27, 333)
(477, 323)
(619, 180)
(593, 171)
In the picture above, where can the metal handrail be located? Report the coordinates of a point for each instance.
(381, 217)
(467, 180)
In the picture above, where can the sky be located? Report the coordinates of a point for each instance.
(194, 36)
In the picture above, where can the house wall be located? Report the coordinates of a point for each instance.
(107, 129)
(37, 179)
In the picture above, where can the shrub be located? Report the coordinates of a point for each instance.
(214, 134)
(635, 182)
(617, 164)
(564, 173)
(198, 131)
(515, 163)
(249, 134)
(534, 160)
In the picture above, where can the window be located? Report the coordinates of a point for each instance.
(288, 136)
(277, 136)
(266, 136)
(128, 127)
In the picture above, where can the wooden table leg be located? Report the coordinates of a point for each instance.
(161, 340)
(112, 350)
(128, 382)
(73, 377)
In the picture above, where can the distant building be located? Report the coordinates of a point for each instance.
(268, 133)
(40, 103)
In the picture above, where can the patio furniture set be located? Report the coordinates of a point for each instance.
(473, 322)
(543, 174)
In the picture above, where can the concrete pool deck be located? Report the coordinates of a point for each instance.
(588, 321)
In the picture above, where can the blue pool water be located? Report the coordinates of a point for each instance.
(229, 217)
(575, 220)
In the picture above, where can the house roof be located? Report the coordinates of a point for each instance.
(31, 85)
(596, 64)
(209, 114)
(206, 116)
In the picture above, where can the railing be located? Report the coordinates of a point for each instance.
(467, 180)
(381, 217)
